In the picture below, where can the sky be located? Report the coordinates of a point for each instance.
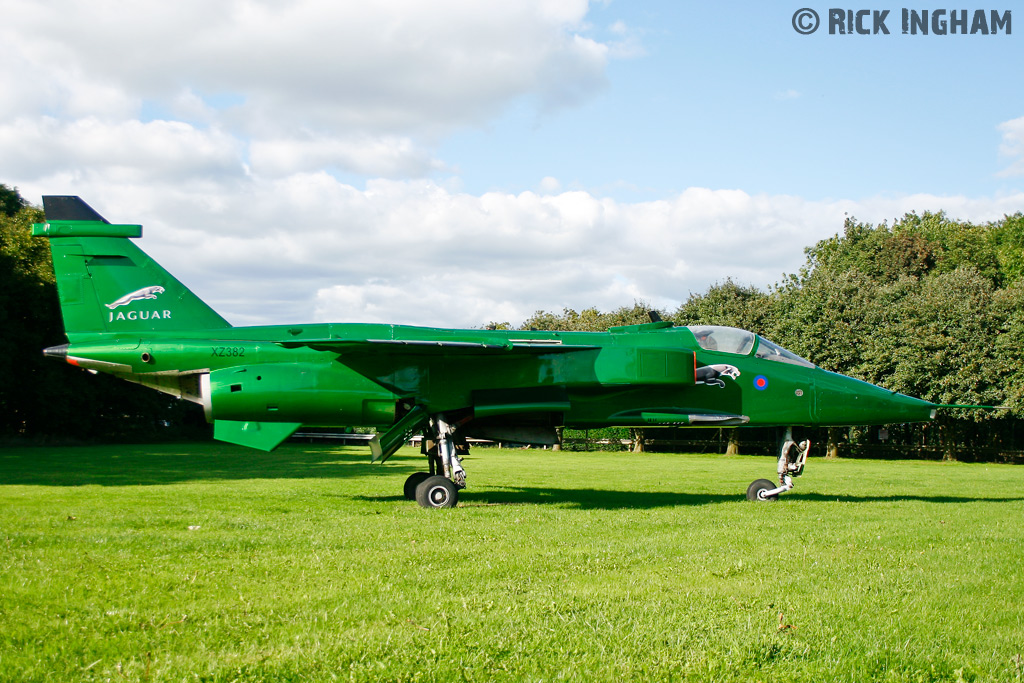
(459, 162)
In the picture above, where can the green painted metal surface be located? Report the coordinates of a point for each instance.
(125, 315)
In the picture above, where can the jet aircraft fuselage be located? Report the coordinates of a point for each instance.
(127, 316)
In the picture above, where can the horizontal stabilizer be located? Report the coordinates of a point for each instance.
(266, 436)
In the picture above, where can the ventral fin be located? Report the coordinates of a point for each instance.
(266, 436)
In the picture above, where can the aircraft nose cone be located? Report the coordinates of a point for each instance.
(841, 401)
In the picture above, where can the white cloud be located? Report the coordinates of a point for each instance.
(627, 43)
(362, 88)
(1013, 146)
(550, 185)
(307, 247)
(226, 128)
(375, 156)
(389, 67)
(158, 150)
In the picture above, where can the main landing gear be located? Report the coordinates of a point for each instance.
(790, 465)
(439, 488)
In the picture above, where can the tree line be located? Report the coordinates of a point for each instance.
(42, 400)
(928, 306)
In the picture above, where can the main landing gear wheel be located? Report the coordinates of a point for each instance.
(437, 492)
(412, 482)
(757, 488)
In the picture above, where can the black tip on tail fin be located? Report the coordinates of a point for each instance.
(67, 208)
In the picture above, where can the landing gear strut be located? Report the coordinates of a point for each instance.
(439, 488)
(790, 465)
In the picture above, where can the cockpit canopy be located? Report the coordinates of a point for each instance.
(728, 339)
(742, 342)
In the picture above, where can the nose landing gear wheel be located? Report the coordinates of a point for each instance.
(437, 492)
(412, 482)
(756, 488)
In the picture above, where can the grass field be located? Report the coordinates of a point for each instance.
(213, 563)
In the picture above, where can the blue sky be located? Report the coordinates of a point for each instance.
(458, 162)
(737, 99)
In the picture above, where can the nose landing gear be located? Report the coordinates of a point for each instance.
(790, 466)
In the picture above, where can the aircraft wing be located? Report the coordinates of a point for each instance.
(432, 346)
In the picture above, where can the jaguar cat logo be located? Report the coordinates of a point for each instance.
(712, 375)
(138, 295)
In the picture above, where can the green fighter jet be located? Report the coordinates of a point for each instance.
(127, 316)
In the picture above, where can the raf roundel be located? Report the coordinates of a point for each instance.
(760, 382)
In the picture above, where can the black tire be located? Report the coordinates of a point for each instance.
(756, 487)
(437, 492)
(412, 482)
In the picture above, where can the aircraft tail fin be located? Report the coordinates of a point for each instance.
(107, 284)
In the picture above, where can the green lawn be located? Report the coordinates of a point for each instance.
(214, 563)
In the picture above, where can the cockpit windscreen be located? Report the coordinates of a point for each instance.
(770, 351)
